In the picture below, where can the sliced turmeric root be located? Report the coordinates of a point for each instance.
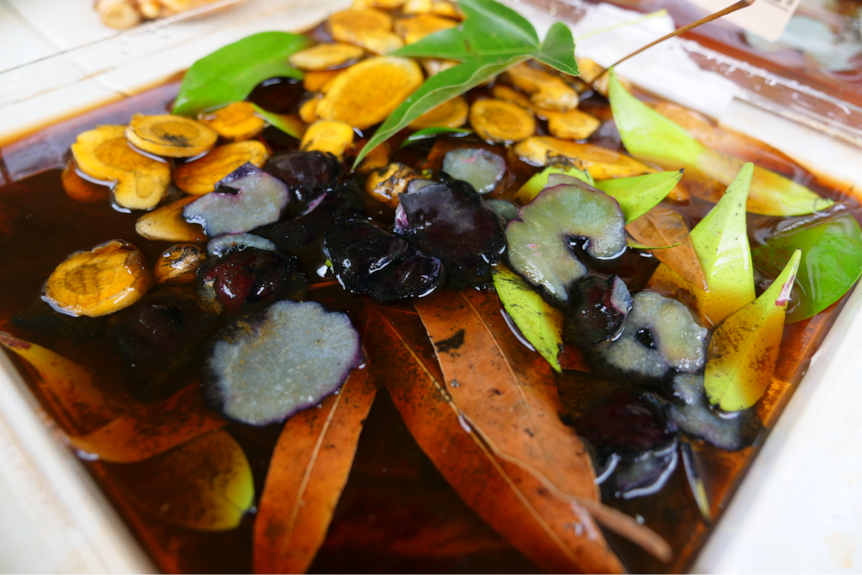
(167, 224)
(434, 66)
(386, 183)
(317, 81)
(365, 27)
(450, 114)
(546, 91)
(80, 189)
(170, 136)
(104, 154)
(603, 164)
(106, 279)
(443, 8)
(200, 176)
(384, 4)
(177, 264)
(508, 94)
(327, 136)
(308, 110)
(235, 122)
(571, 125)
(375, 159)
(366, 93)
(326, 57)
(502, 122)
(415, 28)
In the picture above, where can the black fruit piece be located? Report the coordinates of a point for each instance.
(599, 308)
(308, 175)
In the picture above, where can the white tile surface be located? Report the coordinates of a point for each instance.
(66, 24)
(19, 42)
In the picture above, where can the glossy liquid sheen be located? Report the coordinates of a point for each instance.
(397, 513)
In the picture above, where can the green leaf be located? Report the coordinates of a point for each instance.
(831, 260)
(649, 136)
(229, 74)
(743, 351)
(540, 323)
(558, 49)
(426, 133)
(634, 244)
(639, 194)
(539, 181)
(290, 125)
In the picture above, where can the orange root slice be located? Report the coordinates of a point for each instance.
(571, 125)
(509, 94)
(415, 28)
(450, 114)
(327, 136)
(386, 183)
(80, 189)
(326, 57)
(177, 264)
(170, 136)
(200, 176)
(501, 122)
(365, 27)
(235, 122)
(603, 164)
(167, 224)
(546, 90)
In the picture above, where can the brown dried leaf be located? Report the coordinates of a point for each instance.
(663, 227)
(306, 476)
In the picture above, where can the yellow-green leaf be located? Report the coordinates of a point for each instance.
(639, 194)
(647, 135)
(539, 181)
(540, 324)
(744, 349)
(290, 124)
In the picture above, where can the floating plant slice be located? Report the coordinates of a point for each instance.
(659, 336)
(370, 261)
(219, 246)
(638, 194)
(540, 243)
(539, 181)
(744, 349)
(649, 136)
(503, 208)
(477, 166)
(452, 222)
(599, 309)
(262, 369)
(259, 200)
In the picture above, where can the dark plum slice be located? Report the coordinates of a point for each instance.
(659, 336)
(452, 222)
(478, 167)
(250, 276)
(40, 317)
(369, 261)
(223, 244)
(599, 308)
(692, 413)
(245, 199)
(160, 337)
(263, 368)
(641, 476)
(542, 241)
(308, 175)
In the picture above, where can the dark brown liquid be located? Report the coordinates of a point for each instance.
(397, 513)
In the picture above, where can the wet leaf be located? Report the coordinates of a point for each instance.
(306, 476)
(639, 194)
(539, 181)
(831, 260)
(540, 323)
(426, 133)
(744, 349)
(230, 73)
(649, 136)
(663, 226)
(205, 484)
(634, 244)
(720, 241)
(290, 124)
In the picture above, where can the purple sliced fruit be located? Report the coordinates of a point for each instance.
(249, 275)
(369, 261)
(599, 308)
(660, 336)
(308, 175)
(478, 167)
(243, 200)
(219, 246)
(640, 476)
(541, 242)
(263, 368)
(452, 222)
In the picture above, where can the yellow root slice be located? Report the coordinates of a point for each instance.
(327, 136)
(308, 110)
(200, 176)
(235, 122)
(434, 66)
(384, 4)
(450, 114)
(589, 70)
(177, 264)
(365, 94)
(366, 27)
(415, 28)
(80, 189)
(381, 43)
(167, 224)
(546, 90)
(104, 154)
(375, 159)
(316, 81)
(507, 94)
(386, 183)
(603, 164)
(170, 136)
(571, 125)
(326, 57)
(502, 122)
(443, 8)
(106, 279)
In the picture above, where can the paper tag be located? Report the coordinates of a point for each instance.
(766, 18)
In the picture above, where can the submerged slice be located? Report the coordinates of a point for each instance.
(262, 369)
(541, 243)
(478, 167)
(170, 136)
(600, 307)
